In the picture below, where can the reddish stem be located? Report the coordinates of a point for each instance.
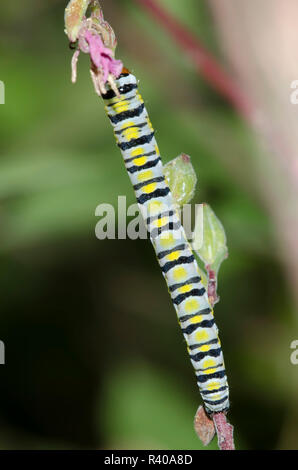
(212, 285)
(203, 60)
(224, 432)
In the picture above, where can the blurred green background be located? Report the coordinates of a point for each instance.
(94, 355)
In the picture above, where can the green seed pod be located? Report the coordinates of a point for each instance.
(209, 239)
(181, 178)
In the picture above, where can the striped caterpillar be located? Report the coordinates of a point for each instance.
(135, 137)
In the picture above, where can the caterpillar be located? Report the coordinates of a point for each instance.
(134, 135)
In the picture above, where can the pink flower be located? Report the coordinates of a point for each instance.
(102, 57)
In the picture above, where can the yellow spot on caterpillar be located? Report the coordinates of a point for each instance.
(167, 240)
(127, 124)
(149, 188)
(209, 363)
(191, 305)
(179, 274)
(186, 288)
(213, 385)
(131, 133)
(161, 222)
(140, 161)
(136, 152)
(204, 348)
(157, 150)
(217, 396)
(121, 106)
(173, 256)
(146, 175)
(202, 336)
(196, 319)
(155, 207)
(211, 371)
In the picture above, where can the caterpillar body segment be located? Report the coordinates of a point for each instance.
(135, 137)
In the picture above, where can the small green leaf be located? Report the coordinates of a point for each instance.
(213, 248)
(181, 178)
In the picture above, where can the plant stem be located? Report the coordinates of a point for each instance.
(224, 432)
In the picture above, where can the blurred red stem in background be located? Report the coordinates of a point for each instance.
(206, 65)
